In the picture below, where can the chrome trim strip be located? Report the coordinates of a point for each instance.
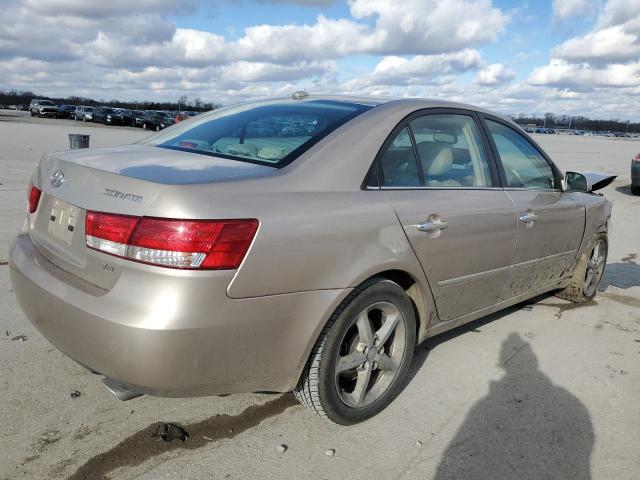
(475, 276)
(440, 188)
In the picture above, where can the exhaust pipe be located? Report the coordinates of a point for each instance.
(120, 390)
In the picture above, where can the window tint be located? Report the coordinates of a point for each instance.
(269, 133)
(398, 165)
(451, 152)
(523, 165)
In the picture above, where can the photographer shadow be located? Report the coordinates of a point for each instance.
(524, 428)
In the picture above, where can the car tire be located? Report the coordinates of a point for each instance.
(144, 126)
(324, 391)
(157, 128)
(588, 272)
(635, 189)
(33, 114)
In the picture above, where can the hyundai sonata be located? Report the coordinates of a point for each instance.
(304, 244)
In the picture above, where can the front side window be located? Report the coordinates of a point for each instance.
(523, 165)
(270, 133)
(450, 151)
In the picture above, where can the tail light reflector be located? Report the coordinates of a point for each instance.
(190, 244)
(34, 197)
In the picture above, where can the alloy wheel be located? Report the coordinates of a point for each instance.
(371, 353)
(595, 268)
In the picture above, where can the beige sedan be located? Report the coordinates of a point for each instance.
(304, 244)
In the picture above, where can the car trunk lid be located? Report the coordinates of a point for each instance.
(121, 180)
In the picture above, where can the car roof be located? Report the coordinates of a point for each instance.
(411, 103)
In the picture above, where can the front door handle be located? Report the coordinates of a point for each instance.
(528, 217)
(432, 226)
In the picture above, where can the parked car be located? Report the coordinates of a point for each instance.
(107, 115)
(635, 175)
(43, 108)
(138, 117)
(66, 111)
(127, 115)
(224, 255)
(157, 121)
(83, 113)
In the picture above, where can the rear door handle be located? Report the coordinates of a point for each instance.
(528, 217)
(432, 226)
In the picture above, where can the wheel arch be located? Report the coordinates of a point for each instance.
(417, 290)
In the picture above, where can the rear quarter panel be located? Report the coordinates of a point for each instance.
(306, 240)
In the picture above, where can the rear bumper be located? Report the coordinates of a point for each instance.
(171, 333)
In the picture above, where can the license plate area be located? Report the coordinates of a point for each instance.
(62, 221)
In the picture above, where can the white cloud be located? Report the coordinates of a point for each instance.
(560, 73)
(429, 26)
(494, 75)
(420, 69)
(564, 9)
(610, 44)
(602, 65)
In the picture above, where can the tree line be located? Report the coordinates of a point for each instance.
(577, 122)
(18, 97)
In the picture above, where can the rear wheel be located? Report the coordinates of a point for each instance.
(359, 362)
(635, 189)
(157, 128)
(588, 272)
(144, 125)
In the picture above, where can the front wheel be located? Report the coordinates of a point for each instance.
(588, 272)
(635, 189)
(359, 362)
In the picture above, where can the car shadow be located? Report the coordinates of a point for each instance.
(625, 190)
(423, 350)
(524, 428)
(625, 274)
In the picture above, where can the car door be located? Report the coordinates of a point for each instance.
(550, 222)
(437, 172)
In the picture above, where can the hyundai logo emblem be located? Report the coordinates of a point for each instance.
(57, 178)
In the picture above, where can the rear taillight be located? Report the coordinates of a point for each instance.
(637, 158)
(191, 244)
(34, 198)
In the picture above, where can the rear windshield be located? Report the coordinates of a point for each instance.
(272, 133)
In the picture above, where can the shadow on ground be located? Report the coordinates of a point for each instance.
(625, 190)
(624, 274)
(525, 428)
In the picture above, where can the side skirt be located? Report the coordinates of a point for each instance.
(470, 317)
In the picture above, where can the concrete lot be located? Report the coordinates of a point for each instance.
(543, 390)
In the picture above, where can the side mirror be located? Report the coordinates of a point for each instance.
(576, 182)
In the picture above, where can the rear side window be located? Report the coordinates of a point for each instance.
(451, 152)
(398, 164)
(523, 165)
(273, 133)
(448, 153)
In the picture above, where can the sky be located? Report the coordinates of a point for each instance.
(573, 57)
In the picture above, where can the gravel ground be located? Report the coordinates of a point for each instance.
(542, 390)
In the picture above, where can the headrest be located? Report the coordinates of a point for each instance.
(436, 158)
(242, 149)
